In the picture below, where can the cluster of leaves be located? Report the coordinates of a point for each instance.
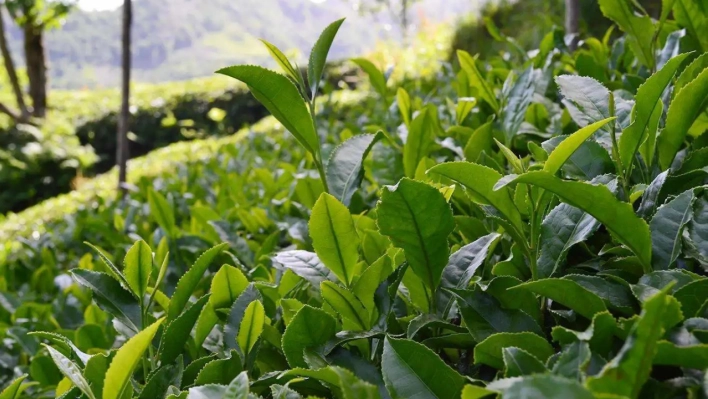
(523, 231)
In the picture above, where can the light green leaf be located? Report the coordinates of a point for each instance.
(190, 280)
(126, 360)
(162, 211)
(251, 326)
(228, 283)
(567, 147)
(416, 217)
(284, 63)
(476, 392)
(667, 227)
(310, 328)
(638, 29)
(489, 351)
(691, 356)
(345, 168)
(469, 65)
(683, 111)
(404, 105)
(480, 141)
(568, 293)
(345, 303)
(137, 267)
(71, 371)
(479, 181)
(318, 55)
(370, 279)
(282, 99)
(647, 97)
(421, 138)
(238, 388)
(618, 217)
(627, 372)
(412, 370)
(376, 77)
(648, 148)
(334, 237)
(14, 389)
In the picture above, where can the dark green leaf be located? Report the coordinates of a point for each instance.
(111, 296)
(489, 351)
(190, 280)
(178, 331)
(667, 229)
(345, 168)
(518, 363)
(309, 329)
(568, 293)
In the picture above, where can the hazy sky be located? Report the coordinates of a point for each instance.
(100, 4)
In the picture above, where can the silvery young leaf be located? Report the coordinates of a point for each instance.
(412, 370)
(345, 169)
(416, 217)
(306, 265)
(586, 99)
(667, 230)
(516, 104)
(460, 268)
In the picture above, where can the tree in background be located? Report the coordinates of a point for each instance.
(124, 118)
(35, 17)
(572, 21)
(399, 9)
(21, 115)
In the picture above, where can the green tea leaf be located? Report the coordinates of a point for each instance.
(480, 181)
(586, 99)
(412, 370)
(71, 371)
(190, 280)
(177, 333)
(283, 62)
(228, 283)
(376, 77)
(667, 227)
(683, 111)
(518, 363)
(416, 217)
(692, 297)
(345, 303)
(469, 65)
(489, 351)
(637, 28)
(693, 15)
(334, 237)
(138, 267)
(404, 105)
(345, 169)
(647, 96)
(126, 360)
(618, 217)
(162, 211)
(111, 297)
(238, 388)
(568, 293)
(629, 370)
(282, 99)
(516, 103)
(484, 316)
(480, 140)
(691, 356)
(14, 389)
(567, 147)
(251, 326)
(421, 138)
(318, 55)
(546, 387)
(310, 328)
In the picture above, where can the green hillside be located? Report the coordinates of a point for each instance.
(191, 38)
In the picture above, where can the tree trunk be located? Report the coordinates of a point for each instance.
(572, 21)
(404, 20)
(36, 68)
(124, 119)
(12, 74)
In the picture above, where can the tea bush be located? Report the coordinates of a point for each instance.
(523, 230)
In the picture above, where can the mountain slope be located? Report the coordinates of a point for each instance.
(192, 38)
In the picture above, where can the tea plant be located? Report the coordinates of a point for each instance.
(521, 230)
